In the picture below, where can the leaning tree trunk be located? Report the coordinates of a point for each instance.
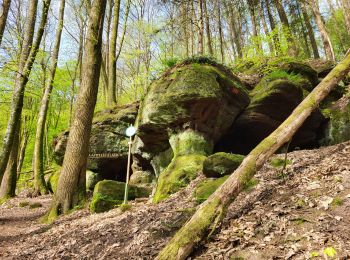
(8, 184)
(3, 17)
(213, 209)
(112, 68)
(38, 156)
(27, 58)
(71, 185)
(328, 48)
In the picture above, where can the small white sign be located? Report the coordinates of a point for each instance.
(130, 131)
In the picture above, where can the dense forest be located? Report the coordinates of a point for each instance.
(228, 98)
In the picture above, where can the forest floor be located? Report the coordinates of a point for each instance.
(301, 214)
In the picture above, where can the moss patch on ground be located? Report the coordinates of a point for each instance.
(208, 187)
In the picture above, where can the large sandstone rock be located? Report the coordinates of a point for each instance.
(272, 101)
(107, 137)
(189, 108)
(203, 97)
(338, 128)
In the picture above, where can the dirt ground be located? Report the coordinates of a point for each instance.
(303, 213)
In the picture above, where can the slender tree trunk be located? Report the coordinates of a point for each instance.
(112, 77)
(323, 31)
(184, 25)
(23, 148)
(346, 7)
(276, 40)
(71, 184)
(8, 184)
(38, 156)
(26, 62)
(221, 36)
(265, 27)
(304, 30)
(310, 32)
(201, 29)
(212, 211)
(207, 27)
(292, 46)
(3, 17)
(234, 31)
(255, 26)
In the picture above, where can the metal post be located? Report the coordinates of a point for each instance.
(127, 173)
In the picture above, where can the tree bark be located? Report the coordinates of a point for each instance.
(310, 32)
(28, 55)
(4, 10)
(346, 7)
(71, 185)
(213, 209)
(38, 156)
(8, 184)
(276, 40)
(221, 36)
(233, 29)
(112, 68)
(207, 26)
(323, 31)
(201, 29)
(292, 47)
(265, 27)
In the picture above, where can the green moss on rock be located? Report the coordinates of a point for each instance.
(220, 164)
(108, 194)
(208, 187)
(190, 150)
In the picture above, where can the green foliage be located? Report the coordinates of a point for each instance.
(337, 201)
(330, 252)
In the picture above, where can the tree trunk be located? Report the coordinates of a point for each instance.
(233, 29)
(184, 22)
(28, 55)
(71, 185)
(8, 184)
(310, 32)
(213, 209)
(276, 40)
(201, 29)
(38, 156)
(25, 137)
(112, 77)
(221, 36)
(3, 17)
(323, 31)
(292, 46)
(346, 7)
(207, 26)
(265, 27)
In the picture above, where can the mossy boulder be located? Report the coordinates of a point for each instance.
(109, 194)
(272, 101)
(207, 187)
(141, 177)
(220, 164)
(204, 97)
(190, 150)
(338, 128)
(107, 137)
